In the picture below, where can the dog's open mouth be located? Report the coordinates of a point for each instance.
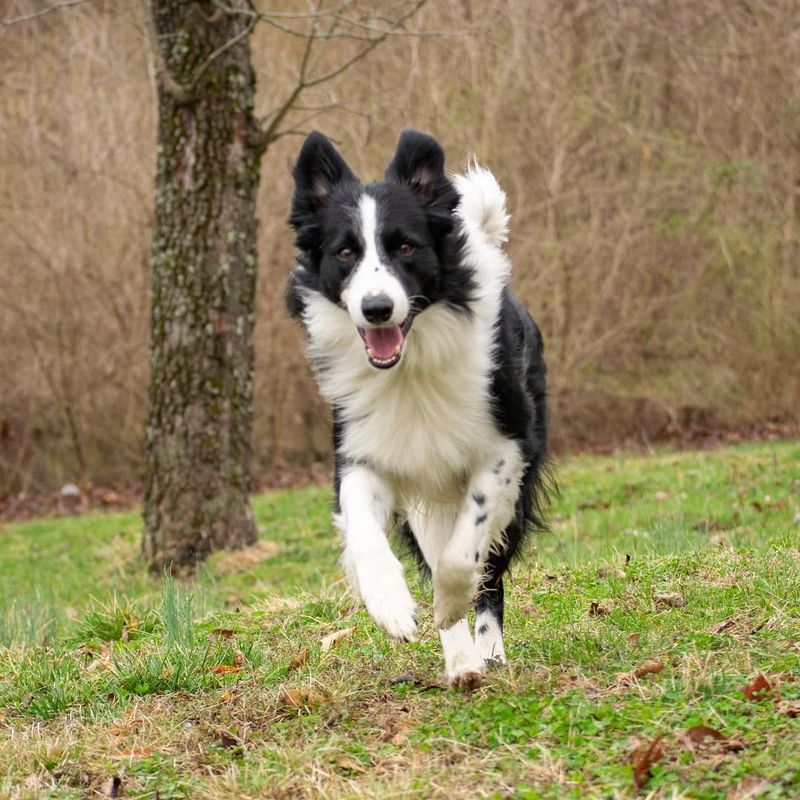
(385, 345)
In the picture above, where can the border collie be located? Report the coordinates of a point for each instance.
(437, 381)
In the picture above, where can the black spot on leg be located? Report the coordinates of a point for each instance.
(508, 480)
(480, 519)
(483, 629)
(498, 466)
(479, 498)
(477, 557)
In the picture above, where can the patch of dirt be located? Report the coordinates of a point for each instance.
(234, 561)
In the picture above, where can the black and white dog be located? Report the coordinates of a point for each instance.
(437, 381)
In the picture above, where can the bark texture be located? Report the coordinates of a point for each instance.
(203, 286)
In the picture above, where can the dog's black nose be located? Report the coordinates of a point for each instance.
(377, 308)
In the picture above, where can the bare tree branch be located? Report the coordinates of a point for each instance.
(7, 23)
(274, 119)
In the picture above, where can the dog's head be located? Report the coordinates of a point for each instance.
(380, 251)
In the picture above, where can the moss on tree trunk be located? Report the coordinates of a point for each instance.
(203, 287)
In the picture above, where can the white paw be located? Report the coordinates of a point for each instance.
(491, 650)
(464, 669)
(489, 639)
(454, 589)
(385, 594)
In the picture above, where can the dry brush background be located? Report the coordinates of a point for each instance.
(650, 150)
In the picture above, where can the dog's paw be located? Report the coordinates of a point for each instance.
(489, 642)
(467, 681)
(454, 589)
(465, 671)
(388, 600)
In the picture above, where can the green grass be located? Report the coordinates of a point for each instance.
(220, 687)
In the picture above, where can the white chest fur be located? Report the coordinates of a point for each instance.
(426, 424)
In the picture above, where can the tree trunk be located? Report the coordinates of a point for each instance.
(203, 286)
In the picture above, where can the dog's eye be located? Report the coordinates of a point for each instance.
(405, 249)
(345, 255)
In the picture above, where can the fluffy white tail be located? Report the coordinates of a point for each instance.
(483, 203)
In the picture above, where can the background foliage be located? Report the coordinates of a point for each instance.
(651, 155)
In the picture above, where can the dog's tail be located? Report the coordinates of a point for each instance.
(483, 203)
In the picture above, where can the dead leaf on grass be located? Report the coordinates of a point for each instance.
(634, 638)
(723, 626)
(530, 611)
(699, 735)
(648, 668)
(227, 740)
(223, 633)
(228, 696)
(301, 699)
(298, 660)
(748, 789)
(609, 571)
(406, 677)
(136, 752)
(789, 707)
(348, 764)
(224, 669)
(758, 689)
(643, 759)
(332, 639)
(598, 609)
(671, 599)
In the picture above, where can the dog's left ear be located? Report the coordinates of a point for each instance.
(419, 162)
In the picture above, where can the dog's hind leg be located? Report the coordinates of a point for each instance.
(366, 504)
(489, 611)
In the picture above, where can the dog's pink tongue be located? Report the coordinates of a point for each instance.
(383, 342)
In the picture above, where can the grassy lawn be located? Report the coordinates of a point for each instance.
(667, 585)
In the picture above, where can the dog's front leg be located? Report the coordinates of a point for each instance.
(485, 512)
(377, 575)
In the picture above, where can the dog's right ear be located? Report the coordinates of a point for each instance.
(319, 169)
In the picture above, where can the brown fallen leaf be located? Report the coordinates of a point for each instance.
(597, 609)
(239, 660)
(671, 599)
(790, 708)
(332, 639)
(758, 689)
(223, 633)
(224, 669)
(530, 611)
(748, 789)
(298, 660)
(227, 696)
(634, 638)
(643, 759)
(348, 764)
(300, 699)
(227, 740)
(406, 677)
(609, 571)
(725, 625)
(648, 668)
(699, 735)
(136, 752)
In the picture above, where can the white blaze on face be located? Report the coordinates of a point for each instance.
(372, 277)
